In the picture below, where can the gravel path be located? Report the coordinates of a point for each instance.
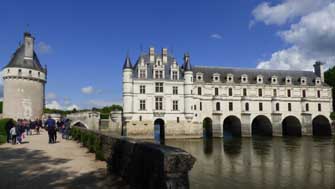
(37, 164)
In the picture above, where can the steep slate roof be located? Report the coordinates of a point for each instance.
(150, 66)
(18, 60)
(127, 63)
(253, 73)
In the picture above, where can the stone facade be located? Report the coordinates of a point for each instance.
(24, 83)
(158, 94)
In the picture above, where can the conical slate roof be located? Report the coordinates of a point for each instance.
(18, 61)
(127, 63)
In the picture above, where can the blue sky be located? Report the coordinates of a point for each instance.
(84, 43)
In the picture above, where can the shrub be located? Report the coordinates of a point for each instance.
(332, 116)
(3, 133)
(99, 155)
(91, 142)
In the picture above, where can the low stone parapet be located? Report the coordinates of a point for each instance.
(140, 164)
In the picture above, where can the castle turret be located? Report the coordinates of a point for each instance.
(127, 87)
(188, 76)
(24, 83)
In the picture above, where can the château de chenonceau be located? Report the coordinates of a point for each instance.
(166, 100)
(162, 99)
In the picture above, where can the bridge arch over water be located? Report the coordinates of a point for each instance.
(321, 126)
(261, 126)
(207, 126)
(232, 127)
(291, 126)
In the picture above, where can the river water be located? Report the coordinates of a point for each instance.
(305, 162)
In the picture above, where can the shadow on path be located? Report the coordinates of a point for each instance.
(24, 168)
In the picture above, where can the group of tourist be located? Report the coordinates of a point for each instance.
(17, 131)
(63, 126)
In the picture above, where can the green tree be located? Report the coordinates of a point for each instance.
(330, 80)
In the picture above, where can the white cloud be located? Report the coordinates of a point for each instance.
(286, 11)
(71, 107)
(311, 38)
(44, 48)
(216, 36)
(54, 104)
(87, 90)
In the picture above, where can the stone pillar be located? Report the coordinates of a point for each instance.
(217, 126)
(246, 125)
(307, 127)
(276, 124)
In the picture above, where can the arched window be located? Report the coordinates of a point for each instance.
(319, 107)
(277, 107)
(218, 106)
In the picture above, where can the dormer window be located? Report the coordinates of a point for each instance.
(244, 78)
(303, 80)
(199, 76)
(288, 80)
(318, 81)
(274, 80)
(259, 79)
(142, 74)
(158, 74)
(216, 77)
(174, 75)
(230, 78)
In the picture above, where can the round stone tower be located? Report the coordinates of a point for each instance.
(24, 83)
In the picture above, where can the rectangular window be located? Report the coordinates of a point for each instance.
(216, 91)
(274, 92)
(289, 107)
(158, 74)
(174, 75)
(142, 89)
(244, 92)
(142, 104)
(174, 90)
(230, 106)
(175, 105)
(178, 120)
(195, 107)
(200, 106)
(142, 74)
(199, 91)
(260, 92)
(140, 118)
(159, 103)
(319, 108)
(260, 106)
(307, 107)
(288, 93)
(319, 94)
(159, 87)
(230, 92)
(303, 93)
(247, 106)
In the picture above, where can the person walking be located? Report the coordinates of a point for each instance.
(13, 134)
(51, 127)
(9, 126)
(38, 126)
(67, 128)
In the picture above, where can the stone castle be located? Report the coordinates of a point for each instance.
(24, 82)
(163, 99)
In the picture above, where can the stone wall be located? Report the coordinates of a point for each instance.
(140, 164)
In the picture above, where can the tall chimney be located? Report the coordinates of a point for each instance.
(164, 55)
(152, 54)
(318, 70)
(28, 46)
